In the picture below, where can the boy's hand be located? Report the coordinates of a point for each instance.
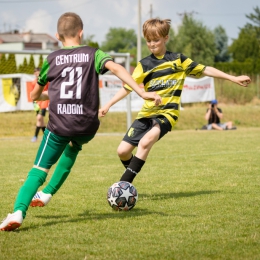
(242, 80)
(152, 96)
(102, 111)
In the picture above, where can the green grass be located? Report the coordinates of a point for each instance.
(229, 92)
(192, 117)
(198, 199)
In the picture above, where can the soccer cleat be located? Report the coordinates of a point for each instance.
(34, 139)
(12, 221)
(40, 199)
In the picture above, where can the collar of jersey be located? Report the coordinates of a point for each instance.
(159, 57)
(72, 47)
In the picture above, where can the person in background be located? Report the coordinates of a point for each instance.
(40, 107)
(214, 115)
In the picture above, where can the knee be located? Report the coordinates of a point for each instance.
(143, 144)
(71, 149)
(146, 143)
(121, 152)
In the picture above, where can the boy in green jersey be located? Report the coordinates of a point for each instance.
(72, 73)
(162, 72)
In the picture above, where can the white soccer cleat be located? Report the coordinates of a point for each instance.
(12, 221)
(40, 199)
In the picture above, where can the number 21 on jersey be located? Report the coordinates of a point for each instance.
(71, 71)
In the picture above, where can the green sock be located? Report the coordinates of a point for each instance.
(62, 170)
(35, 179)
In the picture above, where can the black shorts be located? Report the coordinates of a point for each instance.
(141, 126)
(41, 112)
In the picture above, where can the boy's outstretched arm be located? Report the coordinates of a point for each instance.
(118, 96)
(213, 72)
(122, 73)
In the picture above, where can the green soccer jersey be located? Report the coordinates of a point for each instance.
(164, 75)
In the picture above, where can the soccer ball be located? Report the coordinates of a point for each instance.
(122, 195)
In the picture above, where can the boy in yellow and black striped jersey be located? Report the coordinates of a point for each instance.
(162, 72)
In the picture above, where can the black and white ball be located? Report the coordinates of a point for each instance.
(122, 195)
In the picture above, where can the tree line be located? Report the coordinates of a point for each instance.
(193, 39)
(201, 44)
(8, 64)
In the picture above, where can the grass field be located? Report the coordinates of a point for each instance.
(198, 199)
(192, 117)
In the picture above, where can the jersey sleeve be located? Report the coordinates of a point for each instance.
(198, 70)
(192, 68)
(100, 60)
(137, 75)
(42, 79)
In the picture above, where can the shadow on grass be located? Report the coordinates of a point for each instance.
(176, 195)
(136, 212)
(88, 215)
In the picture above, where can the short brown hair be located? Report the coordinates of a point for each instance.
(156, 27)
(69, 24)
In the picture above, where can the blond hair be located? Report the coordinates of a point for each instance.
(69, 24)
(155, 27)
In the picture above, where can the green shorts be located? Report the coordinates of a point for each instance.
(52, 146)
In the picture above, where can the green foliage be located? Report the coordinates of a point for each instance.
(255, 18)
(3, 64)
(31, 66)
(12, 63)
(171, 42)
(230, 93)
(199, 203)
(26, 67)
(40, 61)
(248, 67)
(195, 41)
(118, 39)
(93, 44)
(89, 41)
(145, 50)
(23, 67)
(8, 65)
(246, 46)
(221, 41)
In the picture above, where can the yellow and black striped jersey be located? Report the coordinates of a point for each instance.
(164, 75)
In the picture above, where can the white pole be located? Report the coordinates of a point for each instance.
(138, 57)
(128, 98)
(139, 54)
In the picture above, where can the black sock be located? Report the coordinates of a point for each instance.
(134, 167)
(43, 129)
(37, 130)
(126, 163)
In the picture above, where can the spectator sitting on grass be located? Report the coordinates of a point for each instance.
(214, 115)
